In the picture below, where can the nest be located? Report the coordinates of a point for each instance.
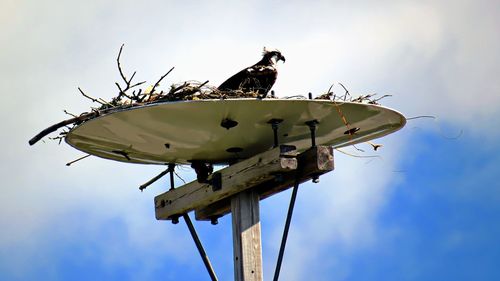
(127, 97)
(189, 90)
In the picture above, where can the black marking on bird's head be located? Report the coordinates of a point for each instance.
(272, 56)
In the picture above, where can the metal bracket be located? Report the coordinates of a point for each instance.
(192, 230)
(286, 149)
(274, 125)
(285, 231)
(216, 181)
(312, 127)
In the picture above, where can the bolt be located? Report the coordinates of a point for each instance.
(175, 219)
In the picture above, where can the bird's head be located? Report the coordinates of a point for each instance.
(272, 56)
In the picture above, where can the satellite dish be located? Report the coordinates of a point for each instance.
(221, 131)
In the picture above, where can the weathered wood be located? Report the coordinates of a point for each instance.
(247, 245)
(311, 163)
(235, 178)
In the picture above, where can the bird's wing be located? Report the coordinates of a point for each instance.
(234, 82)
(260, 70)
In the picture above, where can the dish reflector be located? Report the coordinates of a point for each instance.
(220, 131)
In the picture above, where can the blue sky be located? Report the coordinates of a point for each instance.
(426, 209)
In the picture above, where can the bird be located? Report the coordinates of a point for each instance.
(259, 77)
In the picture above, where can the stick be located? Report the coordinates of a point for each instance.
(76, 160)
(56, 126)
(203, 84)
(158, 82)
(421, 116)
(127, 81)
(89, 97)
(346, 91)
(122, 92)
(374, 145)
(357, 156)
(151, 181)
(119, 66)
(71, 114)
(79, 119)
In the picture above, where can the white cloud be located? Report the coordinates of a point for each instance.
(339, 214)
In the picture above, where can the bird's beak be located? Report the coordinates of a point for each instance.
(281, 58)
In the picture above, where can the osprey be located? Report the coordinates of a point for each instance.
(259, 77)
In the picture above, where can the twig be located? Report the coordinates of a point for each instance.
(127, 81)
(203, 84)
(453, 138)
(135, 85)
(357, 156)
(346, 91)
(358, 149)
(70, 114)
(56, 126)
(344, 120)
(59, 138)
(330, 90)
(374, 145)
(421, 116)
(158, 82)
(362, 98)
(89, 97)
(175, 89)
(122, 92)
(131, 77)
(76, 160)
(119, 66)
(105, 102)
(179, 177)
(440, 129)
(76, 120)
(296, 96)
(376, 100)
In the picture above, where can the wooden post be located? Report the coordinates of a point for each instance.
(247, 245)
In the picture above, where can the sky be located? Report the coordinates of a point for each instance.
(426, 208)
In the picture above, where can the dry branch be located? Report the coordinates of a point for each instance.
(159, 80)
(119, 65)
(89, 97)
(76, 160)
(72, 121)
(346, 91)
(54, 127)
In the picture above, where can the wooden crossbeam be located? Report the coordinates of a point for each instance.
(311, 163)
(238, 177)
